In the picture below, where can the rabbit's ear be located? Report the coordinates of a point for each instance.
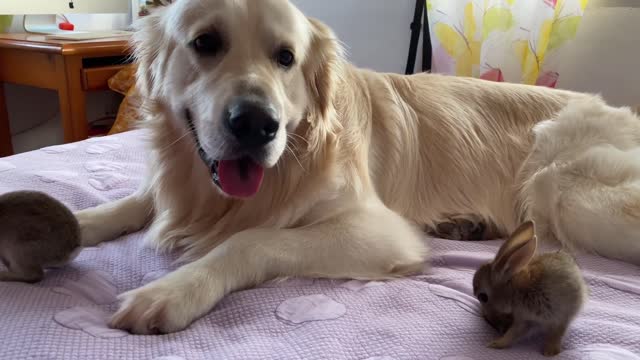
(516, 252)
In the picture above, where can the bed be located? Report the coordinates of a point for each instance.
(428, 316)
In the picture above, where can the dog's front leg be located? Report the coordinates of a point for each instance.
(371, 243)
(110, 220)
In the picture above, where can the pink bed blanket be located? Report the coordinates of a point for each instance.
(429, 316)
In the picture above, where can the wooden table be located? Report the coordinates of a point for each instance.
(70, 67)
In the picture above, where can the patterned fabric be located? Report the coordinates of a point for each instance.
(502, 40)
(124, 82)
(432, 315)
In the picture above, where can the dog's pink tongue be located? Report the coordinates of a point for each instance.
(240, 178)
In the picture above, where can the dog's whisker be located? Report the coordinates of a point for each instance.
(175, 142)
(295, 137)
(288, 148)
(293, 142)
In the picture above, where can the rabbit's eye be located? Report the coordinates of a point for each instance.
(483, 297)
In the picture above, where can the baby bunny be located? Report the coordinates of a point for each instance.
(36, 231)
(518, 289)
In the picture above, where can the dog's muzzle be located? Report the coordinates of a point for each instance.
(239, 178)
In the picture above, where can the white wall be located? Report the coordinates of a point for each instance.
(376, 32)
(605, 56)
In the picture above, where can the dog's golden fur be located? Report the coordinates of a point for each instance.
(372, 158)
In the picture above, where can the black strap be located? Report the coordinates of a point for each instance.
(416, 26)
(427, 51)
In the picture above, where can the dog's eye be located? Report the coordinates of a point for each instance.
(285, 58)
(483, 297)
(208, 44)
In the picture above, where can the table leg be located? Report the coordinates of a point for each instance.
(6, 148)
(73, 101)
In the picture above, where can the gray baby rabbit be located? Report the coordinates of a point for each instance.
(36, 231)
(518, 289)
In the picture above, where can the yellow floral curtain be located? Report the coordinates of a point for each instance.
(502, 40)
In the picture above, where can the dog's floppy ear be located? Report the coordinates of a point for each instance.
(322, 68)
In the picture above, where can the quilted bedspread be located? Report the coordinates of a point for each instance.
(429, 316)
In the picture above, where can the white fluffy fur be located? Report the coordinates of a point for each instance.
(582, 180)
(363, 160)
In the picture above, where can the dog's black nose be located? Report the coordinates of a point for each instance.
(251, 122)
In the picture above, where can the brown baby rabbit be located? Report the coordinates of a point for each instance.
(36, 231)
(518, 289)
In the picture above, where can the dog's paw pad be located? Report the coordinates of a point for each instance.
(357, 285)
(107, 181)
(95, 287)
(90, 320)
(102, 148)
(310, 308)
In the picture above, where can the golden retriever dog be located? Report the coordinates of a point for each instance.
(272, 156)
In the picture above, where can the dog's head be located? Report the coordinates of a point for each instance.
(240, 75)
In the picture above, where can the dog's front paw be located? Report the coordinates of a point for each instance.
(153, 309)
